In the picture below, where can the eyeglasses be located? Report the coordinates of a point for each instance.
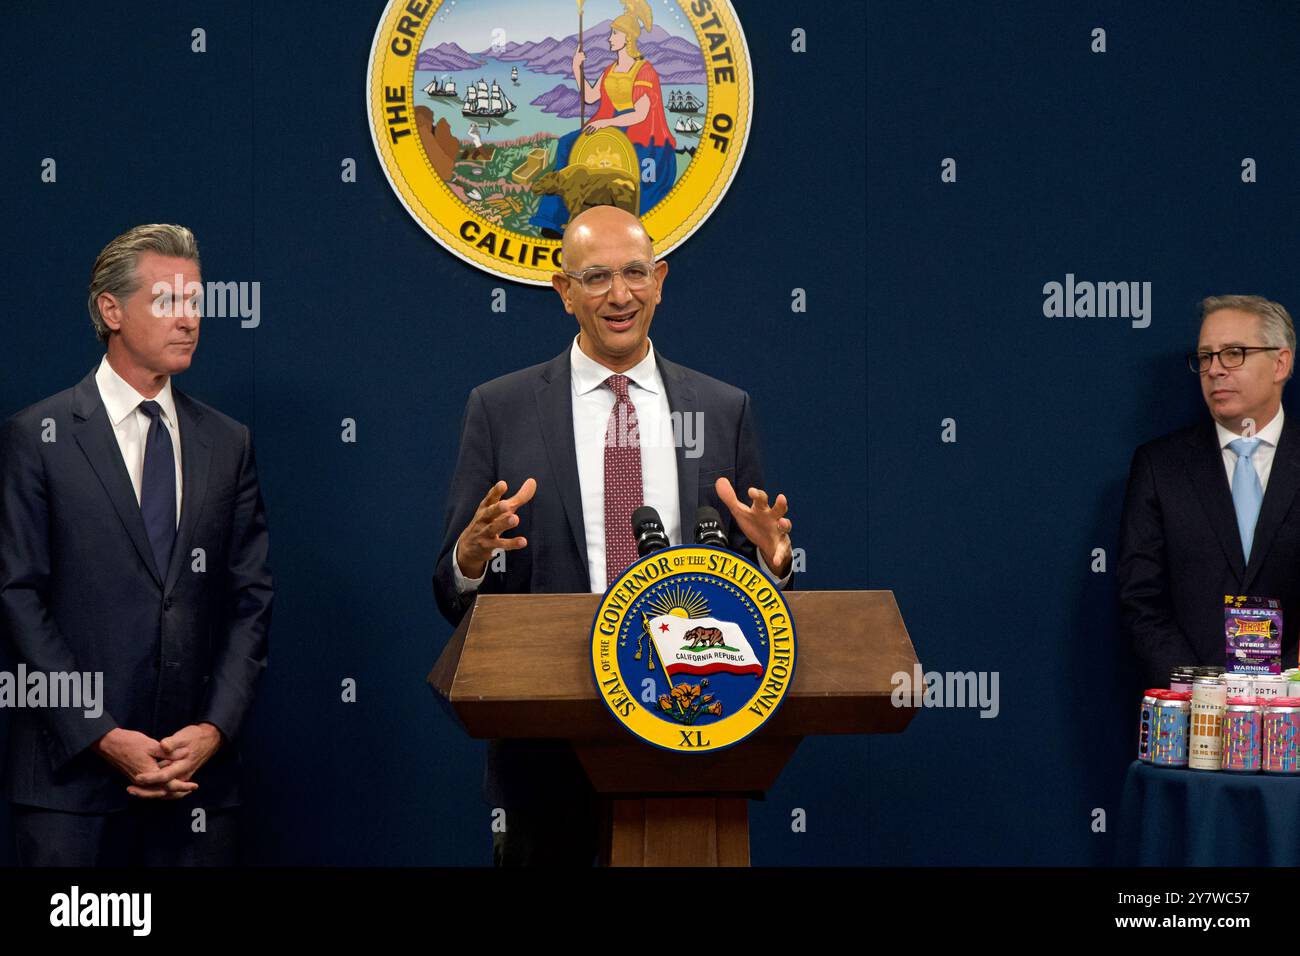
(1234, 356)
(599, 279)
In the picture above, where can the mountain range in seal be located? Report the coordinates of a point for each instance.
(676, 59)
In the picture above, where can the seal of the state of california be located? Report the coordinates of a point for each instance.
(496, 121)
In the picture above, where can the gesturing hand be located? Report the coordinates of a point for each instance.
(482, 535)
(184, 753)
(767, 527)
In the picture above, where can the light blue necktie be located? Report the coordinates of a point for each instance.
(1247, 493)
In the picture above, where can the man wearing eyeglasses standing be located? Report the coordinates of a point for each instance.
(1208, 510)
(583, 440)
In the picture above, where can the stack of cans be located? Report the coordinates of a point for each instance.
(1208, 720)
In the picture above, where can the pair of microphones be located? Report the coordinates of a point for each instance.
(648, 529)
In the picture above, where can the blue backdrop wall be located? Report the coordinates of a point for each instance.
(925, 303)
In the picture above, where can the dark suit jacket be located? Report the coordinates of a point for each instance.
(1180, 550)
(521, 425)
(79, 591)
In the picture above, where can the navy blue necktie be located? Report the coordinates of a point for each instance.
(158, 488)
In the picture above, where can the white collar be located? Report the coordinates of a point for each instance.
(588, 374)
(1269, 434)
(121, 399)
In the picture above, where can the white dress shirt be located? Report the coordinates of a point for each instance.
(592, 404)
(1262, 459)
(131, 424)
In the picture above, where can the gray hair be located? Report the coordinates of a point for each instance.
(115, 267)
(1275, 322)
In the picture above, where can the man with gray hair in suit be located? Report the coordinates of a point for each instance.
(133, 545)
(1208, 511)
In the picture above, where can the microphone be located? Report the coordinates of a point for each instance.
(708, 528)
(648, 531)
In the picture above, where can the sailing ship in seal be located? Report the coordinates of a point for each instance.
(687, 124)
(683, 101)
(438, 87)
(482, 101)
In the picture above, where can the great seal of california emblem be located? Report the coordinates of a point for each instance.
(494, 133)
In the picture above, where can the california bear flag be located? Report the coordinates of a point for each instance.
(702, 645)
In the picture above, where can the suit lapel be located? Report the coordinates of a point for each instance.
(1206, 473)
(555, 411)
(683, 403)
(196, 453)
(1283, 482)
(94, 434)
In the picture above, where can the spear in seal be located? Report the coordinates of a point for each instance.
(582, 77)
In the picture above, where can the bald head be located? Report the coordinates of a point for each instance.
(600, 227)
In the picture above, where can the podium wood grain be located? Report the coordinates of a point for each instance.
(520, 666)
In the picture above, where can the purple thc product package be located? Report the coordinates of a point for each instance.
(1252, 627)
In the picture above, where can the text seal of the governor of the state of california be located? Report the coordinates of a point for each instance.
(476, 114)
(693, 648)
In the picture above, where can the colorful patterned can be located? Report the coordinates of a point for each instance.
(1269, 687)
(1205, 742)
(1145, 723)
(1242, 735)
(1169, 729)
(1181, 679)
(1282, 736)
(1240, 685)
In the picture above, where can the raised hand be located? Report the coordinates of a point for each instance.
(766, 526)
(482, 535)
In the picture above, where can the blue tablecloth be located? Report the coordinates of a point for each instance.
(1201, 818)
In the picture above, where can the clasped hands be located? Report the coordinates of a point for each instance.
(160, 769)
(765, 525)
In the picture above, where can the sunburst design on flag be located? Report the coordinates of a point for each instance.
(678, 601)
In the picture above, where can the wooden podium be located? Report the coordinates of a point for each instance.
(519, 665)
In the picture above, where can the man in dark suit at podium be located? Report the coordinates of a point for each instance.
(1208, 511)
(133, 545)
(585, 439)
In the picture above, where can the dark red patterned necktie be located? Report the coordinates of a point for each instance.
(623, 490)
